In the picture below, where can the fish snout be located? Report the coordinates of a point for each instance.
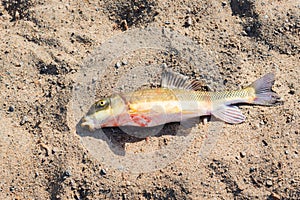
(88, 123)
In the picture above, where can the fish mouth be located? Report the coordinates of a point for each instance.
(88, 123)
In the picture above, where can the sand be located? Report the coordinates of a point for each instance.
(58, 57)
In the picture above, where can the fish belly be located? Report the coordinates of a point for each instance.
(146, 114)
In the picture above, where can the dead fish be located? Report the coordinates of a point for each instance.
(177, 100)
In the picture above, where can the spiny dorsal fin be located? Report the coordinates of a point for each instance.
(173, 80)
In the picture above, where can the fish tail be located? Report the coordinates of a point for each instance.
(263, 94)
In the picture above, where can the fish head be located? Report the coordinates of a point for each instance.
(104, 113)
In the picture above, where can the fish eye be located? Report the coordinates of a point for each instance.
(101, 104)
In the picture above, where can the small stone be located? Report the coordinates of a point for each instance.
(12, 188)
(103, 172)
(167, 22)
(124, 25)
(11, 109)
(292, 92)
(264, 143)
(55, 150)
(252, 169)
(286, 152)
(224, 3)
(244, 33)
(189, 21)
(248, 29)
(293, 181)
(20, 64)
(23, 120)
(242, 154)
(118, 65)
(124, 62)
(287, 134)
(269, 183)
(66, 174)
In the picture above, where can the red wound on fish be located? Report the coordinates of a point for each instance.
(140, 119)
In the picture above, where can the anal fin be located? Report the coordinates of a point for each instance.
(229, 114)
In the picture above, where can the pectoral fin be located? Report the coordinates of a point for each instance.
(229, 114)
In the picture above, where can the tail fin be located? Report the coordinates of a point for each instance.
(263, 91)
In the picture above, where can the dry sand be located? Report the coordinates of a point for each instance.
(45, 45)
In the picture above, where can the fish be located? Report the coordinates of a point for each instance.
(178, 99)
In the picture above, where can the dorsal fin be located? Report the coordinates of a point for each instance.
(198, 85)
(173, 80)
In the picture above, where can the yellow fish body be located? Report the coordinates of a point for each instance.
(177, 100)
